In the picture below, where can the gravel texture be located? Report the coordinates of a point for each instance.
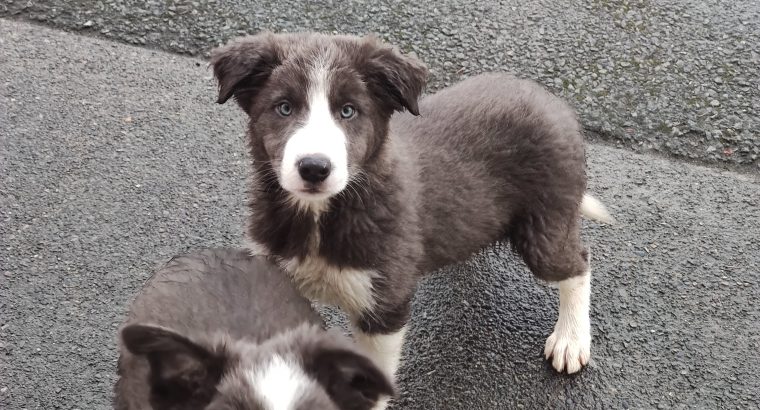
(115, 158)
(680, 77)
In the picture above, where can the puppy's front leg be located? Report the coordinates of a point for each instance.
(384, 349)
(570, 343)
(381, 335)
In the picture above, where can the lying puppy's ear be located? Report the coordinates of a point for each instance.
(243, 66)
(397, 79)
(183, 374)
(350, 378)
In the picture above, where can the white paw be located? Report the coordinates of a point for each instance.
(569, 346)
(381, 404)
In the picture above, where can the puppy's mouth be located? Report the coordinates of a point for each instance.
(311, 189)
(311, 192)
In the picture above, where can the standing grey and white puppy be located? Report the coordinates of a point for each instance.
(222, 330)
(358, 199)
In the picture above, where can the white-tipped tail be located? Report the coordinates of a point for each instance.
(593, 209)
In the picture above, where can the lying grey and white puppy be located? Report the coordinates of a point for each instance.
(222, 330)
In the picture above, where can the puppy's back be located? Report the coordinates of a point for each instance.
(221, 290)
(207, 293)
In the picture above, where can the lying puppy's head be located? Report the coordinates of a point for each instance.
(319, 105)
(305, 368)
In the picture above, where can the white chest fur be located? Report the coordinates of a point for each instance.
(349, 289)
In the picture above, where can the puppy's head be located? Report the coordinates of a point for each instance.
(305, 368)
(319, 105)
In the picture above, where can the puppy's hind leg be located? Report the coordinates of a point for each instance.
(569, 345)
(552, 249)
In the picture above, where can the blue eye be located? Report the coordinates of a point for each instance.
(284, 109)
(348, 111)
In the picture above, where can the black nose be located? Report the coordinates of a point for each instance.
(314, 169)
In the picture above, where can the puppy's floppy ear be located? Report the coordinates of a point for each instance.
(350, 378)
(182, 372)
(243, 66)
(397, 79)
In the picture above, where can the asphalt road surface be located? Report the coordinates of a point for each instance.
(679, 77)
(114, 158)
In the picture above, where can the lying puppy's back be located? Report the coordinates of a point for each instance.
(220, 329)
(222, 290)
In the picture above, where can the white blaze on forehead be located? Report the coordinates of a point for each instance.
(319, 135)
(279, 384)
